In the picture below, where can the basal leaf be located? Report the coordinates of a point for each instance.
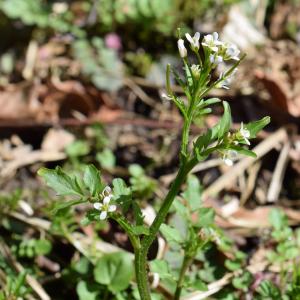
(114, 270)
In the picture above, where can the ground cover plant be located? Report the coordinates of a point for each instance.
(118, 202)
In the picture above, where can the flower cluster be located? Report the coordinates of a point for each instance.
(217, 50)
(105, 207)
(240, 137)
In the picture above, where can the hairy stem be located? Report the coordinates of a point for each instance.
(184, 267)
(141, 254)
(140, 264)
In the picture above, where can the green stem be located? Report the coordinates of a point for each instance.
(140, 264)
(135, 241)
(184, 267)
(141, 253)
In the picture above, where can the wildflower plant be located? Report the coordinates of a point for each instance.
(118, 202)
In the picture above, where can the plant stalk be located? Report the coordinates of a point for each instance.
(141, 253)
(184, 267)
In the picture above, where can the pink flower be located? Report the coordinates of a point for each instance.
(113, 41)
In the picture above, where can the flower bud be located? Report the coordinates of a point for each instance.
(181, 48)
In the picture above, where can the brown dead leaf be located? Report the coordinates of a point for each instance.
(57, 140)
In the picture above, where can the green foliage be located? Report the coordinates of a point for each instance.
(40, 14)
(171, 234)
(106, 158)
(143, 186)
(192, 194)
(191, 230)
(114, 270)
(34, 247)
(9, 201)
(61, 182)
(161, 267)
(267, 291)
(99, 63)
(87, 291)
(92, 180)
(78, 148)
(15, 287)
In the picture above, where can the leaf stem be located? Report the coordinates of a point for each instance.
(184, 267)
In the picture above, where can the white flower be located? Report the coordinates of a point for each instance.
(105, 207)
(194, 41)
(166, 97)
(181, 48)
(245, 133)
(215, 59)
(232, 52)
(229, 157)
(212, 41)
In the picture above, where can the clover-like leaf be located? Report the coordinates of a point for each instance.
(114, 270)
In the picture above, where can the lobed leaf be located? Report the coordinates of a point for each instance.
(62, 183)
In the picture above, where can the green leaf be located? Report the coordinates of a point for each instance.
(140, 229)
(268, 289)
(138, 215)
(63, 205)
(122, 193)
(211, 101)
(181, 209)
(162, 268)
(171, 234)
(136, 170)
(87, 291)
(120, 188)
(83, 266)
(62, 183)
(43, 247)
(92, 180)
(114, 270)
(243, 151)
(197, 285)
(233, 265)
(106, 158)
(225, 122)
(193, 192)
(255, 127)
(204, 111)
(206, 217)
(78, 148)
(243, 281)
(278, 219)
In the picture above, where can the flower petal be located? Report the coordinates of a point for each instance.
(197, 36)
(103, 215)
(166, 97)
(228, 161)
(98, 205)
(106, 200)
(112, 208)
(189, 38)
